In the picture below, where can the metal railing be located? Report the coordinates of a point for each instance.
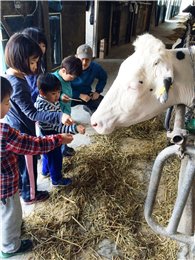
(181, 222)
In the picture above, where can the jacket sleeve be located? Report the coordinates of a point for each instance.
(75, 92)
(71, 129)
(32, 82)
(26, 144)
(101, 77)
(22, 97)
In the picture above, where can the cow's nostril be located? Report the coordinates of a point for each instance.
(94, 125)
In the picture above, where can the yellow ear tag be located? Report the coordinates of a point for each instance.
(160, 91)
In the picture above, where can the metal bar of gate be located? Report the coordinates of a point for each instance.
(187, 173)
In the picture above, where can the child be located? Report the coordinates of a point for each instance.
(37, 35)
(13, 143)
(22, 56)
(71, 67)
(82, 85)
(48, 100)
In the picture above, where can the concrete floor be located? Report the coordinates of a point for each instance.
(111, 64)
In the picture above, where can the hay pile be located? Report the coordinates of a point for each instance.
(101, 215)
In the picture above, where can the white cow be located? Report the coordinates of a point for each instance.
(142, 88)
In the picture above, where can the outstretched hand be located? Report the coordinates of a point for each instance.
(95, 95)
(80, 129)
(65, 98)
(66, 138)
(84, 97)
(67, 120)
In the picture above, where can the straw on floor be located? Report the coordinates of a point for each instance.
(101, 215)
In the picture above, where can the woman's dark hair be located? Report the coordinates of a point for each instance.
(73, 65)
(36, 34)
(48, 82)
(19, 49)
(6, 88)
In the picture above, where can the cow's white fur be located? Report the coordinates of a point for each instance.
(134, 95)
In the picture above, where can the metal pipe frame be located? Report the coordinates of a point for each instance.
(181, 222)
(183, 193)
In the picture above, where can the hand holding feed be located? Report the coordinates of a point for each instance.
(66, 138)
(81, 129)
(95, 95)
(65, 98)
(66, 119)
(84, 97)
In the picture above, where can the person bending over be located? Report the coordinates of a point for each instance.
(82, 85)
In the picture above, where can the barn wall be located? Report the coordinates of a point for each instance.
(104, 17)
(123, 23)
(71, 31)
(15, 19)
(119, 22)
(73, 26)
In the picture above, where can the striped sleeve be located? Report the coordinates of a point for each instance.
(71, 129)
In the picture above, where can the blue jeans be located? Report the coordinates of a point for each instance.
(52, 162)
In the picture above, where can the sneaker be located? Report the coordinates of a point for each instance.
(62, 182)
(26, 245)
(45, 175)
(87, 109)
(69, 151)
(40, 196)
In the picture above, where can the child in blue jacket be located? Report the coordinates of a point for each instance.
(22, 56)
(82, 85)
(48, 100)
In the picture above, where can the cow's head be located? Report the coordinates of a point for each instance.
(140, 89)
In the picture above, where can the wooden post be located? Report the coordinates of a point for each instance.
(45, 10)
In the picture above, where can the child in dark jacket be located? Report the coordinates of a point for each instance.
(48, 100)
(22, 55)
(13, 143)
(82, 85)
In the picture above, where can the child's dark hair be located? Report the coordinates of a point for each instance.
(73, 65)
(6, 88)
(19, 49)
(48, 82)
(36, 34)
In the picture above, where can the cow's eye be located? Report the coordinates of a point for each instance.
(141, 82)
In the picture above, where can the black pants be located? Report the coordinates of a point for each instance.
(91, 104)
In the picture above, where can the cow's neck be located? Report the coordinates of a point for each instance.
(183, 91)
